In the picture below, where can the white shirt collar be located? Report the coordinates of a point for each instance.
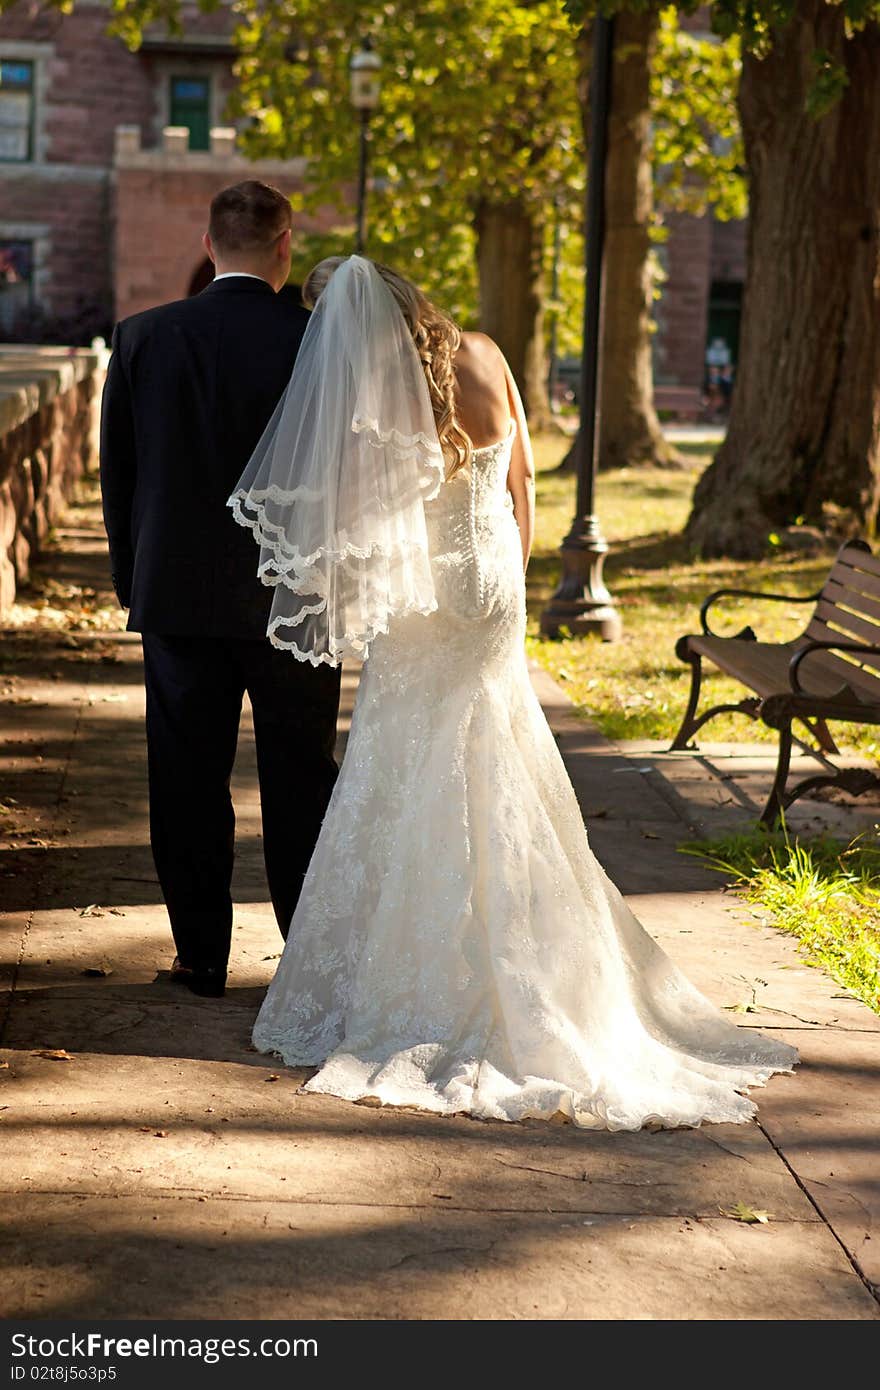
(245, 274)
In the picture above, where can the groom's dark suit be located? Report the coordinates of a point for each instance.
(189, 390)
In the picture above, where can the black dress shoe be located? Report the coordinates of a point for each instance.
(209, 983)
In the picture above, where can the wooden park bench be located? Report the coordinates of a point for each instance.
(830, 672)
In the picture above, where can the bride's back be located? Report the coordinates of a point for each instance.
(482, 403)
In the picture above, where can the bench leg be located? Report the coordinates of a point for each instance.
(776, 802)
(853, 780)
(822, 734)
(682, 740)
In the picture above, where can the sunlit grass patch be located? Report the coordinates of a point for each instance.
(825, 893)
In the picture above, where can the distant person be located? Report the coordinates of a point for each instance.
(717, 358)
(190, 389)
(718, 353)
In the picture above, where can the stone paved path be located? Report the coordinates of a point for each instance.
(167, 1170)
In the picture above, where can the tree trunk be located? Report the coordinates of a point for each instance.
(630, 432)
(510, 263)
(804, 427)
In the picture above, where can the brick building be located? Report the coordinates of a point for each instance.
(108, 159)
(107, 162)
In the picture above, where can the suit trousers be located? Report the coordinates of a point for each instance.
(195, 688)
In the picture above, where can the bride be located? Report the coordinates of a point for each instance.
(456, 946)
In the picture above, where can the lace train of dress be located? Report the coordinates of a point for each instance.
(457, 947)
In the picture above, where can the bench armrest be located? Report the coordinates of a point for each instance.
(747, 632)
(860, 648)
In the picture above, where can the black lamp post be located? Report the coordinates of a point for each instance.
(365, 91)
(582, 603)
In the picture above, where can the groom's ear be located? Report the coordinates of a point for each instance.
(209, 248)
(284, 244)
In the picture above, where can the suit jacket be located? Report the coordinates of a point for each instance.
(189, 390)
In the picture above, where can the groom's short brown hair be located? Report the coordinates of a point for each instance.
(248, 216)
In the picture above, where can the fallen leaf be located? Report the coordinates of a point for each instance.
(156, 1133)
(751, 1216)
(273, 1077)
(54, 1054)
(116, 911)
(4, 1066)
(93, 910)
(649, 835)
(98, 971)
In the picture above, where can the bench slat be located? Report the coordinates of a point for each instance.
(763, 667)
(822, 633)
(866, 683)
(859, 559)
(860, 581)
(849, 598)
(850, 628)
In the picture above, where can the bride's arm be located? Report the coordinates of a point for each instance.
(521, 475)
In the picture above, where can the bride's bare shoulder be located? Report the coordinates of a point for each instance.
(481, 389)
(479, 350)
(480, 385)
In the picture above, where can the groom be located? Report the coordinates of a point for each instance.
(190, 388)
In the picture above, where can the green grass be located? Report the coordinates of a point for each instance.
(823, 892)
(637, 688)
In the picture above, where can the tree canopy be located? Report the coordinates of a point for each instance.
(478, 101)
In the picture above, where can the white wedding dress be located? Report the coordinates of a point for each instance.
(456, 946)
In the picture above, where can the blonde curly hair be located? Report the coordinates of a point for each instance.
(437, 341)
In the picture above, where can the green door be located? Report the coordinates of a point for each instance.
(191, 106)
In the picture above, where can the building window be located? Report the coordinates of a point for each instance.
(190, 105)
(16, 283)
(16, 110)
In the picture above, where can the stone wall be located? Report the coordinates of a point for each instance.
(49, 414)
(61, 200)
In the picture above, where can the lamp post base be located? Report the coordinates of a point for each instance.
(581, 603)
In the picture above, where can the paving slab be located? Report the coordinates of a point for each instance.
(828, 1129)
(125, 1124)
(75, 1257)
(745, 965)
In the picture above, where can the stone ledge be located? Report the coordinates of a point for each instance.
(49, 404)
(31, 377)
(204, 162)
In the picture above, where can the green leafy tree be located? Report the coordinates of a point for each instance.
(697, 150)
(476, 136)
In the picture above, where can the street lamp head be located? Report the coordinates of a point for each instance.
(364, 72)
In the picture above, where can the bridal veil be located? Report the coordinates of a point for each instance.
(335, 490)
